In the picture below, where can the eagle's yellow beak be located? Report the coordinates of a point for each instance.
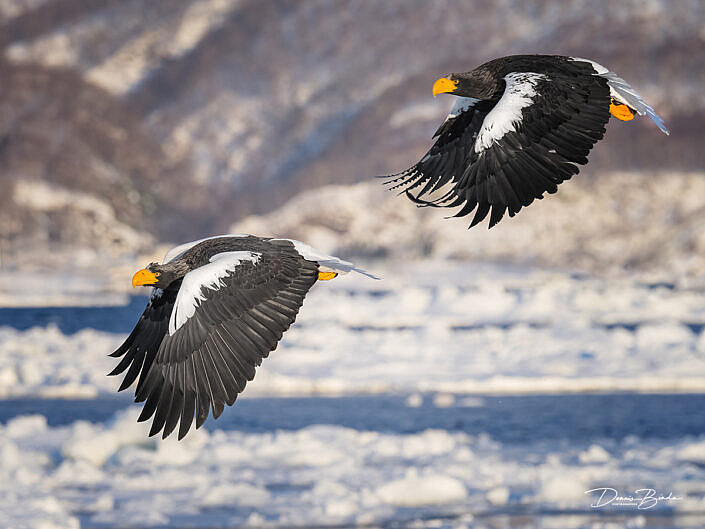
(144, 277)
(444, 85)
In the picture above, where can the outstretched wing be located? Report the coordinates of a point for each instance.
(529, 142)
(447, 159)
(141, 346)
(227, 316)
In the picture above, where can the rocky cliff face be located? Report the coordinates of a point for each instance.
(182, 116)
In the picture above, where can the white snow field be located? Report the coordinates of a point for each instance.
(431, 326)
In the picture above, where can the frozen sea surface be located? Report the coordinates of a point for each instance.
(444, 396)
(426, 327)
(376, 460)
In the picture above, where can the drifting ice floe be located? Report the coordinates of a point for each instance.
(319, 475)
(428, 328)
(431, 327)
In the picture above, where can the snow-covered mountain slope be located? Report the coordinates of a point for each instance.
(616, 223)
(247, 102)
(84, 219)
(58, 132)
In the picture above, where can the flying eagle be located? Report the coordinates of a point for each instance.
(218, 307)
(518, 128)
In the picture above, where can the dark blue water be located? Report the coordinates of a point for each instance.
(70, 320)
(122, 318)
(512, 419)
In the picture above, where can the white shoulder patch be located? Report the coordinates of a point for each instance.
(208, 276)
(622, 91)
(326, 263)
(519, 93)
(179, 250)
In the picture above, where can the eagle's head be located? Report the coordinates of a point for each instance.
(160, 275)
(478, 84)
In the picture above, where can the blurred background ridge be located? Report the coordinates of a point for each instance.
(125, 122)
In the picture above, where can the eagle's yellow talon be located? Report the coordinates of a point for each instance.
(621, 112)
(325, 276)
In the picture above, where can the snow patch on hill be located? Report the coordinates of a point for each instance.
(90, 222)
(615, 223)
